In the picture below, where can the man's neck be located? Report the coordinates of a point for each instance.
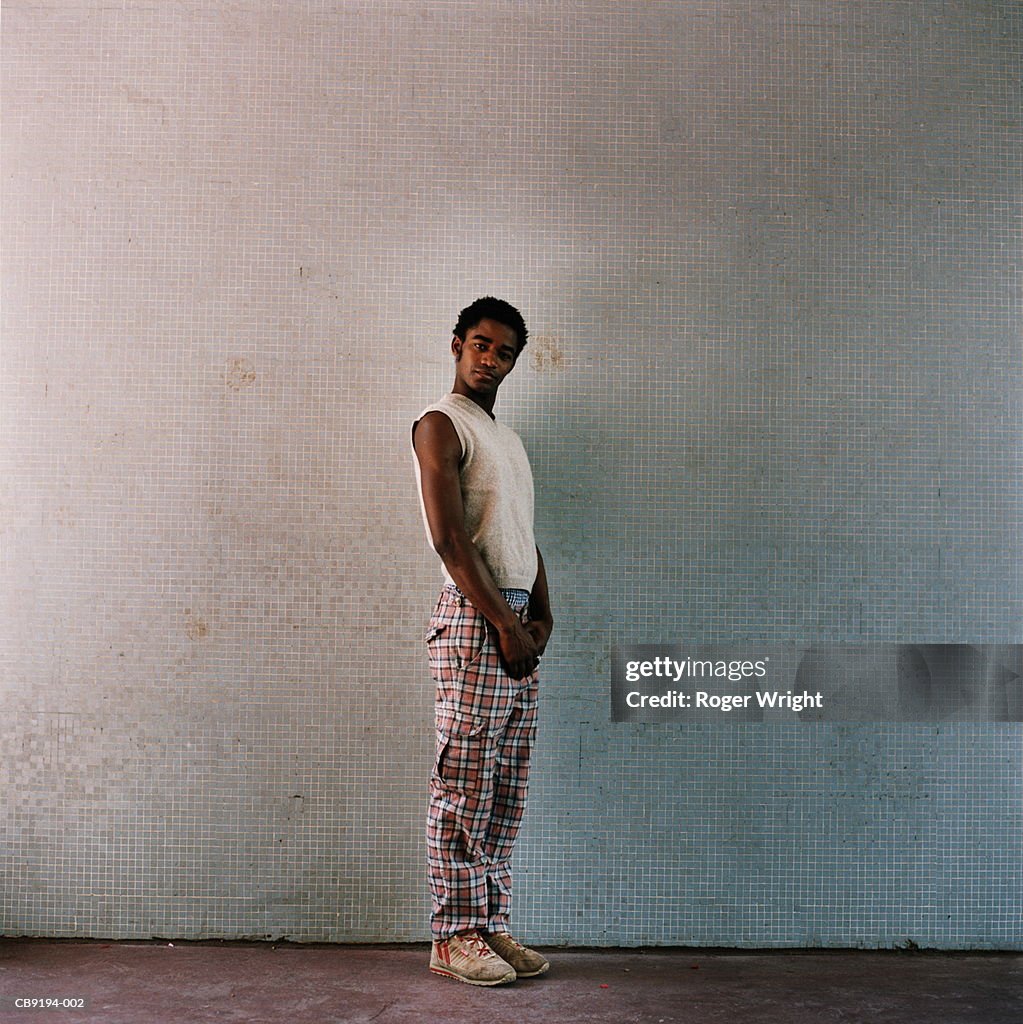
(485, 402)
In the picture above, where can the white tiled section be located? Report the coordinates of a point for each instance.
(769, 254)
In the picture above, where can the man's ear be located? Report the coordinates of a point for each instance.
(456, 345)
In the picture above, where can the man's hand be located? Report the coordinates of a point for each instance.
(519, 650)
(540, 631)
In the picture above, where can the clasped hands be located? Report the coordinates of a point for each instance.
(522, 645)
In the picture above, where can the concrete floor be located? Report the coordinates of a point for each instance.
(142, 982)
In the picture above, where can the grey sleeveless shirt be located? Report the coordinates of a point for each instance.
(497, 492)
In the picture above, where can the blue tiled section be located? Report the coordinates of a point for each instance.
(769, 257)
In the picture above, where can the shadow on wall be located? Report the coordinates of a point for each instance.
(577, 473)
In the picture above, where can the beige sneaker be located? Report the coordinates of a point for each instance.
(527, 962)
(468, 958)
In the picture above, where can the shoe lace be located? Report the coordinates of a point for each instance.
(477, 943)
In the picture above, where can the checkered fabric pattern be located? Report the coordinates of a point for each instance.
(486, 724)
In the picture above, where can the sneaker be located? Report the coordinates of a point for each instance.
(527, 962)
(468, 958)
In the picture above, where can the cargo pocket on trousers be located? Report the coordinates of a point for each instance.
(461, 749)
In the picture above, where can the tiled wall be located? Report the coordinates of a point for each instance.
(769, 254)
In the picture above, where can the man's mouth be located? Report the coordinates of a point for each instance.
(485, 375)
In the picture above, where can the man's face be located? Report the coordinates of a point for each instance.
(486, 356)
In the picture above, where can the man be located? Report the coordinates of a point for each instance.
(487, 633)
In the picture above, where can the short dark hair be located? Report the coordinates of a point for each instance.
(489, 308)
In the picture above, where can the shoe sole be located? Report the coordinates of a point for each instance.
(444, 973)
(533, 974)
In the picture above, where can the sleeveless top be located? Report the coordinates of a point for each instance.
(497, 492)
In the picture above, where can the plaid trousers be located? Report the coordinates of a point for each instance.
(486, 724)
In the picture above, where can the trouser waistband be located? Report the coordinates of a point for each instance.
(513, 595)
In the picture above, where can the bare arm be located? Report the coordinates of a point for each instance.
(439, 451)
(541, 621)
